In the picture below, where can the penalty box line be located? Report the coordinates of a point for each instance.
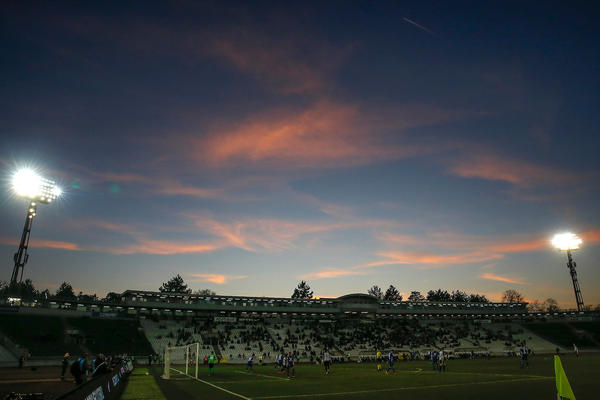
(403, 388)
(215, 386)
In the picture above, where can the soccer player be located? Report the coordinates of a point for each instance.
(575, 350)
(290, 365)
(280, 362)
(524, 360)
(249, 365)
(327, 361)
(442, 361)
(379, 360)
(390, 363)
(211, 363)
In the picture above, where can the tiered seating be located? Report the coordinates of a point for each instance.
(112, 336)
(172, 333)
(237, 342)
(40, 335)
(563, 334)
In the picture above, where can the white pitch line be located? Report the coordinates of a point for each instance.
(402, 388)
(215, 386)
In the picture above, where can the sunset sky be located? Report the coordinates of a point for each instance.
(249, 145)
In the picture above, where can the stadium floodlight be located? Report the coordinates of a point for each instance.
(566, 242)
(30, 185)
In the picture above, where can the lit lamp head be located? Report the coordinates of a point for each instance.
(566, 241)
(26, 183)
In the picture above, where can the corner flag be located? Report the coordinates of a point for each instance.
(563, 388)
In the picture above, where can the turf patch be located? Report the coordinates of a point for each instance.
(141, 386)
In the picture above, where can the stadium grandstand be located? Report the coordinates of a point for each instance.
(352, 326)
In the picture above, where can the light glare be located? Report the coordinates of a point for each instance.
(566, 241)
(26, 183)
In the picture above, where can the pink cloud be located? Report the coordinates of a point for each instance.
(272, 234)
(50, 244)
(330, 273)
(219, 279)
(448, 248)
(279, 63)
(149, 246)
(325, 134)
(430, 258)
(592, 236)
(499, 278)
(493, 167)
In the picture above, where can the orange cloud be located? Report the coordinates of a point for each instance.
(330, 273)
(447, 248)
(326, 134)
(155, 184)
(493, 167)
(592, 236)
(433, 259)
(499, 278)
(219, 279)
(50, 244)
(272, 234)
(148, 246)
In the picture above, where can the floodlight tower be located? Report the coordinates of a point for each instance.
(26, 183)
(569, 241)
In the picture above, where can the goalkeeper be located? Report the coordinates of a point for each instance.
(211, 363)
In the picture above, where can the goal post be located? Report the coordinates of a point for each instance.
(183, 359)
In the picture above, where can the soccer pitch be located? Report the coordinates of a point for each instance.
(497, 378)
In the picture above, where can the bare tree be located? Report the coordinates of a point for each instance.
(512, 296)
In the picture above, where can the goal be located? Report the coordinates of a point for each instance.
(182, 360)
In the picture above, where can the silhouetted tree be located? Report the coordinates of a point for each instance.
(175, 285)
(392, 294)
(376, 291)
(551, 305)
(439, 295)
(416, 296)
(302, 291)
(87, 297)
(112, 297)
(512, 296)
(477, 298)
(65, 291)
(458, 296)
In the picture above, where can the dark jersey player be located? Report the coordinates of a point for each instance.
(390, 363)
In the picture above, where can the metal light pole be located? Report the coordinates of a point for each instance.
(21, 255)
(568, 242)
(28, 184)
(571, 265)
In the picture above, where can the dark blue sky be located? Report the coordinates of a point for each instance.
(247, 145)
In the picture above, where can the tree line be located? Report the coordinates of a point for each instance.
(27, 292)
(456, 296)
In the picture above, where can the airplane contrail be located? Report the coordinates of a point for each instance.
(410, 21)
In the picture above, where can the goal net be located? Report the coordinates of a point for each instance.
(182, 360)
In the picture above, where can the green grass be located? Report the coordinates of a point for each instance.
(465, 379)
(141, 386)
